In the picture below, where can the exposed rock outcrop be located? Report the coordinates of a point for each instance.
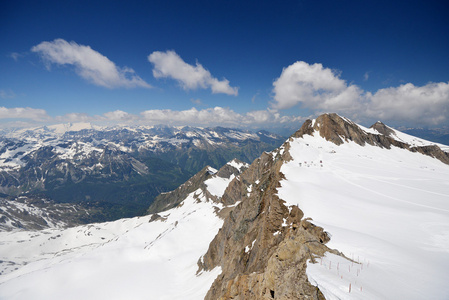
(166, 201)
(337, 130)
(382, 128)
(263, 246)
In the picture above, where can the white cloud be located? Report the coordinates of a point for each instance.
(75, 118)
(170, 65)
(23, 113)
(217, 116)
(119, 115)
(314, 87)
(89, 64)
(428, 104)
(321, 90)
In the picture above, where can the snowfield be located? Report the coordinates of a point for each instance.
(387, 210)
(126, 259)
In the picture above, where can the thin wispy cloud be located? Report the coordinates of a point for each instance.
(253, 99)
(89, 64)
(366, 76)
(15, 55)
(170, 65)
(322, 90)
(196, 101)
(7, 94)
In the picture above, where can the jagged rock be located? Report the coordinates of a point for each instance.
(166, 201)
(433, 151)
(382, 128)
(263, 246)
(172, 199)
(337, 130)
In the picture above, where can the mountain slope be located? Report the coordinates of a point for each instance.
(387, 209)
(38, 213)
(144, 257)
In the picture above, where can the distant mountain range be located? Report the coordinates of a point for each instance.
(119, 168)
(437, 135)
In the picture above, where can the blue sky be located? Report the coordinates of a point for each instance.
(261, 64)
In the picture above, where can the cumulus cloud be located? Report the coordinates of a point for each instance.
(119, 115)
(217, 116)
(314, 87)
(322, 90)
(170, 65)
(23, 113)
(75, 118)
(89, 64)
(193, 116)
(427, 104)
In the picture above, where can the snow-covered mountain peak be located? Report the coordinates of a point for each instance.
(382, 128)
(340, 130)
(384, 203)
(334, 128)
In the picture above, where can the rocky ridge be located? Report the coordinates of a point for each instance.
(263, 245)
(338, 130)
(166, 201)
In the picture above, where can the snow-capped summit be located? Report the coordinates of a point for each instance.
(339, 130)
(383, 196)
